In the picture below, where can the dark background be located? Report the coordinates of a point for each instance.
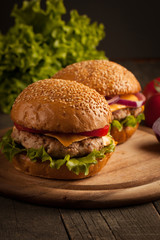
(132, 27)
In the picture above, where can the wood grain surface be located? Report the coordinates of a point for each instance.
(21, 220)
(131, 176)
(126, 223)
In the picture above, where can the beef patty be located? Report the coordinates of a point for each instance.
(123, 113)
(55, 148)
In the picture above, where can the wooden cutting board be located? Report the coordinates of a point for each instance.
(131, 176)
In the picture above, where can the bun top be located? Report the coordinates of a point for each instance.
(60, 106)
(106, 77)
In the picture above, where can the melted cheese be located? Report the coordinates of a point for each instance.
(142, 108)
(115, 107)
(106, 140)
(129, 97)
(67, 139)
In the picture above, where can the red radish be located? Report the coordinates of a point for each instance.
(152, 88)
(152, 109)
(156, 128)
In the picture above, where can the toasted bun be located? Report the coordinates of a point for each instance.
(60, 106)
(23, 163)
(122, 136)
(106, 77)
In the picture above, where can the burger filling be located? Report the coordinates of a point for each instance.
(123, 114)
(127, 117)
(54, 147)
(78, 156)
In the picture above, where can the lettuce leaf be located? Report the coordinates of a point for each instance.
(140, 117)
(76, 165)
(41, 43)
(117, 124)
(128, 121)
(9, 147)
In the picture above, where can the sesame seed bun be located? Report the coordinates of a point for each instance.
(22, 163)
(106, 77)
(60, 106)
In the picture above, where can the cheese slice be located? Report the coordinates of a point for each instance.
(130, 97)
(115, 107)
(67, 139)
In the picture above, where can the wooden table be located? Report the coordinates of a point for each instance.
(19, 220)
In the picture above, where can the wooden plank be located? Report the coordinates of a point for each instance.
(8, 220)
(86, 224)
(25, 221)
(129, 177)
(137, 222)
(75, 225)
(157, 206)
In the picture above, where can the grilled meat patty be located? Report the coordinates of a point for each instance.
(123, 113)
(55, 148)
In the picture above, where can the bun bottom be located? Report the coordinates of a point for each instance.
(122, 136)
(22, 163)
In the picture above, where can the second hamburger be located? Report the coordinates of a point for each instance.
(118, 85)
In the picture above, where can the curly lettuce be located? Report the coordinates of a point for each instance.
(77, 165)
(128, 121)
(41, 43)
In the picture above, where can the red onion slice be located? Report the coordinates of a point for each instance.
(156, 128)
(130, 103)
(140, 96)
(112, 100)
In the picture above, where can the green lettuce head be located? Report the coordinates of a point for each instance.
(41, 43)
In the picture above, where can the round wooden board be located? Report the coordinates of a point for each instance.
(131, 176)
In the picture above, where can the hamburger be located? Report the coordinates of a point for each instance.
(118, 85)
(60, 131)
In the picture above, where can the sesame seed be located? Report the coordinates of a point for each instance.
(75, 95)
(106, 77)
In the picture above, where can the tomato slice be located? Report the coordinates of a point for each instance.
(31, 130)
(95, 133)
